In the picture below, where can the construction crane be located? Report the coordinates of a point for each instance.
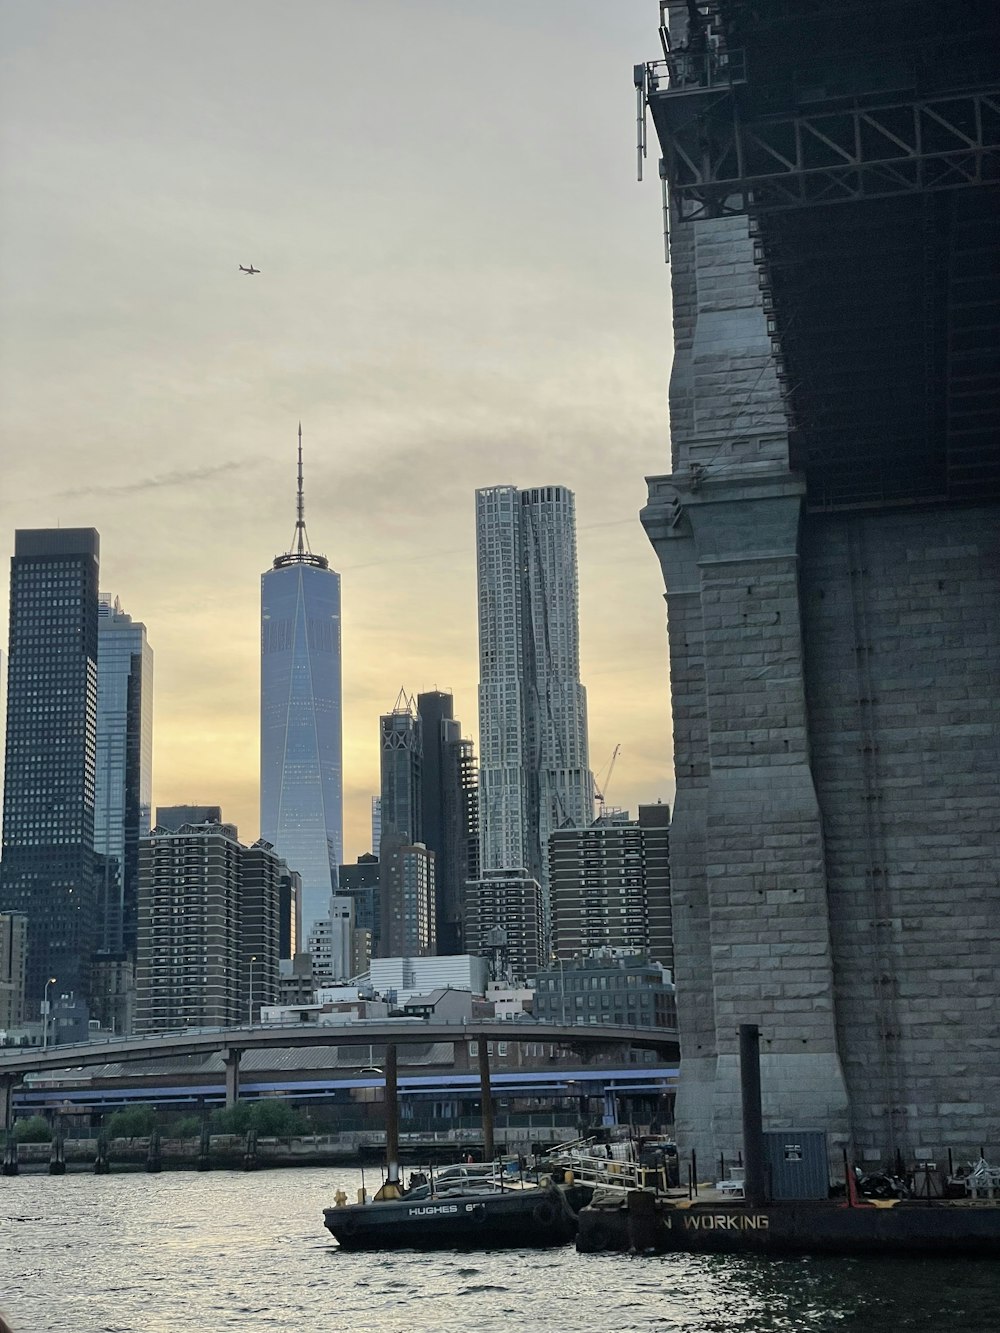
(607, 781)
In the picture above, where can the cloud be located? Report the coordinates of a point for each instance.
(180, 477)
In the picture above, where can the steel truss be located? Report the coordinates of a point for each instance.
(717, 165)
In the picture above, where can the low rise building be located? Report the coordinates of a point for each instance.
(397, 979)
(616, 988)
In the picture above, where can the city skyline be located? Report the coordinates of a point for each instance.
(502, 334)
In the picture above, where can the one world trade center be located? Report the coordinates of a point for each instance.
(301, 770)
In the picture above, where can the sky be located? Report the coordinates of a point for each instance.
(461, 285)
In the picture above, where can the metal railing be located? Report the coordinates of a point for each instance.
(687, 71)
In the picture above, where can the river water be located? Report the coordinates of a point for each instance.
(218, 1251)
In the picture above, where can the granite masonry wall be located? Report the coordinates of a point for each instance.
(836, 705)
(901, 615)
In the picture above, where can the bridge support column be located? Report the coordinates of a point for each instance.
(486, 1099)
(231, 1059)
(8, 1082)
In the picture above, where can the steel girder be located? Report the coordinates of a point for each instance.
(716, 164)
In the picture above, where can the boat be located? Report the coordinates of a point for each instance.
(908, 1226)
(484, 1206)
(476, 1217)
(636, 1214)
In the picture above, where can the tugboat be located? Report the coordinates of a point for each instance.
(480, 1217)
(467, 1207)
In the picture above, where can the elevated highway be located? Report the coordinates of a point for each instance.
(233, 1042)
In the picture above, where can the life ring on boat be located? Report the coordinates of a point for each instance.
(476, 1212)
(347, 1227)
(545, 1213)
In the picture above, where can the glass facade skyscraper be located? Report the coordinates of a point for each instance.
(301, 771)
(47, 870)
(124, 777)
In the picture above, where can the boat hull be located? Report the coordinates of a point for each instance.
(456, 1221)
(813, 1228)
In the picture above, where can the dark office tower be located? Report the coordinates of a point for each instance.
(402, 771)
(123, 791)
(289, 912)
(449, 811)
(48, 824)
(301, 770)
(406, 891)
(361, 883)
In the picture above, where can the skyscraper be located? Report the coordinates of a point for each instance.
(124, 769)
(301, 777)
(208, 930)
(48, 825)
(534, 773)
(401, 747)
(449, 801)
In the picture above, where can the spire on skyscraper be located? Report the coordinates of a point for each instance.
(299, 552)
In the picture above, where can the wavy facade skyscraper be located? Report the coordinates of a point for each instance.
(301, 766)
(534, 773)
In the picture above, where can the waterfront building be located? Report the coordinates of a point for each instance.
(47, 871)
(512, 1003)
(826, 526)
(610, 886)
(449, 812)
(301, 778)
(615, 987)
(401, 978)
(122, 801)
(534, 773)
(13, 968)
(208, 928)
(503, 920)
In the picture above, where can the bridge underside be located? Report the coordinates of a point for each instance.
(830, 541)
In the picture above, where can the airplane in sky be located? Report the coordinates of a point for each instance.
(251, 269)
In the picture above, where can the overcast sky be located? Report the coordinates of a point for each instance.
(461, 285)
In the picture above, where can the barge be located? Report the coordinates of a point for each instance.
(905, 1226)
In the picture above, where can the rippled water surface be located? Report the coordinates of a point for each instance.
(131, 1253)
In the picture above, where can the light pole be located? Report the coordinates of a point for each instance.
(253, 959)
(45, 1012)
